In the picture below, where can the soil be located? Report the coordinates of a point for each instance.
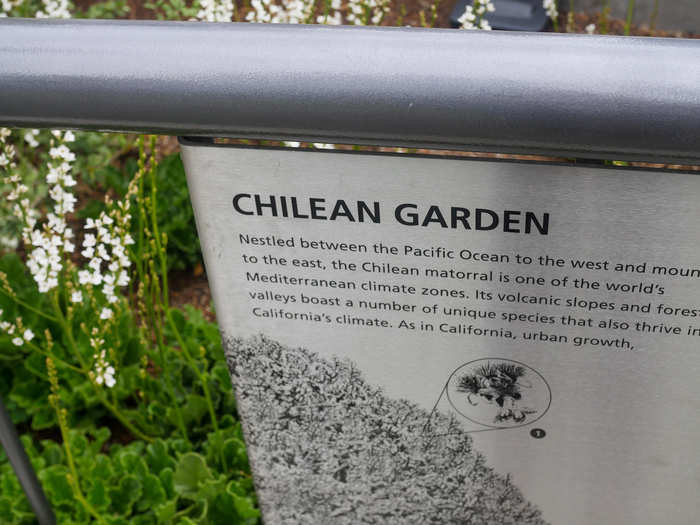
(191, 287)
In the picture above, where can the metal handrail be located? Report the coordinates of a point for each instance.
(566, 95)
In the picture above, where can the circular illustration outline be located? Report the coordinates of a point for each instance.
(449, 399)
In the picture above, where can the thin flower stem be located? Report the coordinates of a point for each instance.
(654, 16)
(43, 352)
(168, 379)
(151, 304)
(142, 213)
(122, 419)
(100, 394)
(73, 479)
(630, 15)
(27, 306)
(202, 376)
(165, 305)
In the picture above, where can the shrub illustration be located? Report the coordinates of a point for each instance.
(499, 383)
(328, 447)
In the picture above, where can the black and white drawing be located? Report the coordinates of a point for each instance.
(499, 393)
(327, 447)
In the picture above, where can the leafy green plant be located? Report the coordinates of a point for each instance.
(175, 215)
(140, 410)
(106, 9)
(173, 9)
(173, 208)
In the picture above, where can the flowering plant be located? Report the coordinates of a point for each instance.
(85, 316)
(474, 16)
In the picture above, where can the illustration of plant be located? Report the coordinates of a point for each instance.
(328, 446)
(498, 383)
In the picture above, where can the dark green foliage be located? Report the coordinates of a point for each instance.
(175, 214)
(173, 208)
(206, 480)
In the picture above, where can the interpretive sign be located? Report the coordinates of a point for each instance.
(448, 340)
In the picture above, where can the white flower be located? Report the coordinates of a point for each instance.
(84, 277)
(215, 10)
(106, 313)
(76, 296)
(28, 335)
(17, 341)
(89, 240)
(474, 15)
(94, 264)
(551, 7)
(30, 138)
(109, 379)
(123, 279)
(102, 252)
(104, 372)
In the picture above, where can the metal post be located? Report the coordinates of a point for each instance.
(9, 439)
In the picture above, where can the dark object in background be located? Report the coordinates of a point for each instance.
(511, 15)
(9, 441)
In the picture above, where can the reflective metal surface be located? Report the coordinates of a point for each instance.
(567, 353)
(572, 95)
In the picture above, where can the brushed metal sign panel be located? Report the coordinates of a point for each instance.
(440, 340)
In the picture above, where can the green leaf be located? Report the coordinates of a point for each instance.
(222, 509)
(134, 464)
(100, 437)
(221, 374)
(36, 364)
(180, 446)
(245, 507)
(166, 479)
(153, 493)
(5, 506)
(208, 489)
(165, 512)
(28, 392)
(126, 494)
(97, 495)
(52, 453)
(102, 467)
(78, 442)
(193, 411)
(191, 470)
(9, 486)
(44, 417)
(56, 484)
(115, 520)
(157, 456)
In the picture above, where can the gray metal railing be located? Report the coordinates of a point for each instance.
(11, 444)
(568, 95)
